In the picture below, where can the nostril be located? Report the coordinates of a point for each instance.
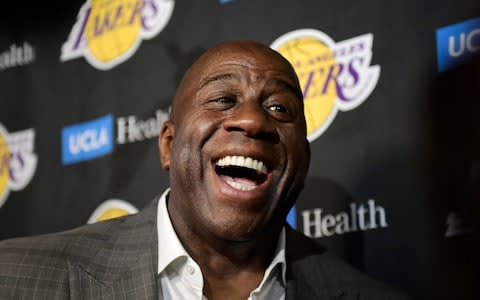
(233, 128)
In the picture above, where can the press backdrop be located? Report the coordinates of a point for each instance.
(391, 104)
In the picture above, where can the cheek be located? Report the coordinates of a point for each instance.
(298, 153)
(189, 146)
(302, 156)
(183, 155)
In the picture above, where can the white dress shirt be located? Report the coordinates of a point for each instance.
(180, 276)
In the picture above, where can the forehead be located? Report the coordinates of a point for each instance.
(254, 60)
(246, 60)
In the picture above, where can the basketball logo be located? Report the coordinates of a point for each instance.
(112, 208)
(108, 32)
(107, 37)
(4, 159)
(17, 161)
(333, 76)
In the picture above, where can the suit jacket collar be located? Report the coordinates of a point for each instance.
(306, 276)
(127, 260)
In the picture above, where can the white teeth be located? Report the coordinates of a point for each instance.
(241, 161)
(249, 163)
(241, 186)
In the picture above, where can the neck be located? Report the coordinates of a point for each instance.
(221, 256)
(231, 270)
(236, 267)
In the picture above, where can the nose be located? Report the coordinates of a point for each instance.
(253, 120)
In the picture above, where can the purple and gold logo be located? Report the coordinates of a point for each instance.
(17, 161)
(110, 209)
(333, 76)
(108, 32)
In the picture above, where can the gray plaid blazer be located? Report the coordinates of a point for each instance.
(117, 259)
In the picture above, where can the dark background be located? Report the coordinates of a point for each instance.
(412, 146)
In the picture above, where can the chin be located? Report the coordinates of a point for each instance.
(237, 229)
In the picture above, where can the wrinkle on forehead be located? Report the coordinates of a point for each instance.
(249, 54)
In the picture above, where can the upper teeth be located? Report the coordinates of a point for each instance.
(242, 161)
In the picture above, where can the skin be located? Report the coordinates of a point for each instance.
(239, 98)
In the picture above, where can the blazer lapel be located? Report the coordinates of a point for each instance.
(125, 265)
(305, 276)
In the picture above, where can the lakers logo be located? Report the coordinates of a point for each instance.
(108, 32)
(333, 76)
(112, 208)
(4, 161)
(17, 161)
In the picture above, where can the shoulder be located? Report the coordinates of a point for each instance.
(312, 263)
(82, 242)
(59, 245)
(42, 262)
(46, 266)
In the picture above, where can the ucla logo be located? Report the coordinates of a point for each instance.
(292, 217)
(17, 161)
(112, 208)
(457, 43)
(87, 140)
(333, 76)
(108, 32)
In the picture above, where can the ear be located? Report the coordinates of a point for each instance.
(165, 143)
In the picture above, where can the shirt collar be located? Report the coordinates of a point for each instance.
(278, 259)
(170, 248)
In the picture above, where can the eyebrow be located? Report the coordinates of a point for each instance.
(218, 77)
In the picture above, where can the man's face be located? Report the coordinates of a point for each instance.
(236, 146)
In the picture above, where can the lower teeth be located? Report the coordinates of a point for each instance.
(240, 186)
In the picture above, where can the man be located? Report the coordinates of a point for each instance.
(237, 155)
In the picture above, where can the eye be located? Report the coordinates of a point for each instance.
(282, 109)
(224, 100)
(277, 108)
(220, 103)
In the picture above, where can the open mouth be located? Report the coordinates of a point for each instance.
(240, 172)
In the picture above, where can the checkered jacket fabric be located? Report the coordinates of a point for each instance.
(114, 259)
(117, 259)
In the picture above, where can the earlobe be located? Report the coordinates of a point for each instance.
(165, 143)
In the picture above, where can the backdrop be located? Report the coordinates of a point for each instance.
(390, 97)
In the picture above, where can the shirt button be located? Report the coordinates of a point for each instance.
(190, 269)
